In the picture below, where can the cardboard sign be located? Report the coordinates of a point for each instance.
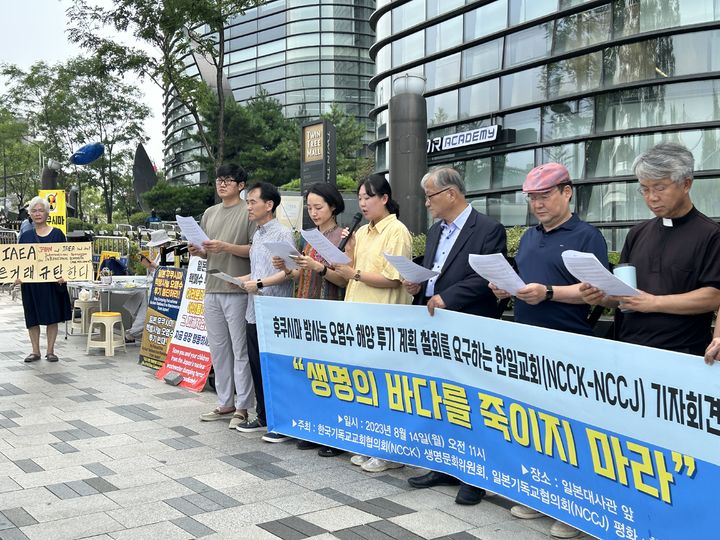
(40, 263)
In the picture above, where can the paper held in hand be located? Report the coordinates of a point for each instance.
(410, 271)
(587, 269)
(227, 277)
(497, 271)
(324, 247)
(283, 250)
(191, 230)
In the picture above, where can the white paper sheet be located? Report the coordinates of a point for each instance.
(284, 251)
(497, 270)
(586, 268)
(192, 231)
(410, 271)
(324, 247)
(227, 277)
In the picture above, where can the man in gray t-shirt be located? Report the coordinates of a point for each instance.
(228, 250)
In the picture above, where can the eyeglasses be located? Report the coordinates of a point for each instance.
(428, 197)
(224, 181)
(647, 190)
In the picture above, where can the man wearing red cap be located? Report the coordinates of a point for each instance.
(551, 297)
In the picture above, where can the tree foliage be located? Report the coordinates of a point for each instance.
(259, 138)
(350, 157)
(19, 159)
(77, 102)
(165, 32)
(191, 200)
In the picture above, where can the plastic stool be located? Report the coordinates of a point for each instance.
(104, 323)
(82, 310)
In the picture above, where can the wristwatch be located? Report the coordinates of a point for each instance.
(548, 292)
(323, 271)
(259, 284)
(356, 277)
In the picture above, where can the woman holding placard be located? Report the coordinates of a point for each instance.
(43, 303)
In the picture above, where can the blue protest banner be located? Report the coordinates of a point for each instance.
(618, 440)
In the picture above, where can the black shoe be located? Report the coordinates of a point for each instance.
(273, 437)
(327, 451)
(433, 479)
(251, 426)
(306, 445)
(469, 495)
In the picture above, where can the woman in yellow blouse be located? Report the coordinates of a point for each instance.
(371, 279)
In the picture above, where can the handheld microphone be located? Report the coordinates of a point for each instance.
(357, 218)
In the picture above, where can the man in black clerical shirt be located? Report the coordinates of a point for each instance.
(676, 256)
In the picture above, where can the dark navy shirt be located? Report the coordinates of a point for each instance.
(539, 260)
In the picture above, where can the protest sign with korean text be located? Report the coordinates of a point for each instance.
(189, 353)
(618, 440)
(40, 263)
(162, 312)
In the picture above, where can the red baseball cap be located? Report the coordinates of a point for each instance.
(544, 177)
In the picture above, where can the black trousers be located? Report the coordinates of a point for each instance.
(254, 359)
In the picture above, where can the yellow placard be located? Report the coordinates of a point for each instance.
(40, 263)
(58, 208)
(106, 255)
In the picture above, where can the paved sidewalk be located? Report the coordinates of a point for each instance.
(96, 447)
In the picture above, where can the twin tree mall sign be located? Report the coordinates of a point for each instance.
(481, 135)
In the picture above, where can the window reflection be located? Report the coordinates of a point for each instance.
(570, 155)
(633, 16)
(442, 108)
(482, 59)
(574, 75)
(617, 201)
(526, 10)
(444, 35)
(568, 119)
(659, 105)
(511, 169)
(526, 125)
(582, 29)
(530, 44)
(614, 157)
(480, 98)
(486, 20)
(523, 87)
(442, 72)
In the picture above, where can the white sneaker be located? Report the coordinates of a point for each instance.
(374, 465)
(239, 417)
(523, 512)
(563, 530)
(358, 460)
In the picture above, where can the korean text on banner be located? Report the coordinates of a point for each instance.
(616, 439)
(189, 353)
(38, 263)
(162, 312)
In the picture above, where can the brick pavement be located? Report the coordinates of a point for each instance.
(96, 447)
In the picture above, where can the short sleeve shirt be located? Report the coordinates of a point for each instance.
(229, 224)
(261, 261)
(387, 236)
(672, 259)
(539, 260)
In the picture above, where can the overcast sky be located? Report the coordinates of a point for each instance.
(34, 30)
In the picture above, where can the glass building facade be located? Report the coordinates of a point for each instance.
(307, 54)
(590, 84)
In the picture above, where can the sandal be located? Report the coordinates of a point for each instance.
(32, 357)
(51, 357)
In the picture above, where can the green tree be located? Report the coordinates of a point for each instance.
(113, 114)
(351, 154)
(19, 159)
(165, 34)
(258, 137)
(191, 200)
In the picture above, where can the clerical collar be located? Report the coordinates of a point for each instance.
(674, 222)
